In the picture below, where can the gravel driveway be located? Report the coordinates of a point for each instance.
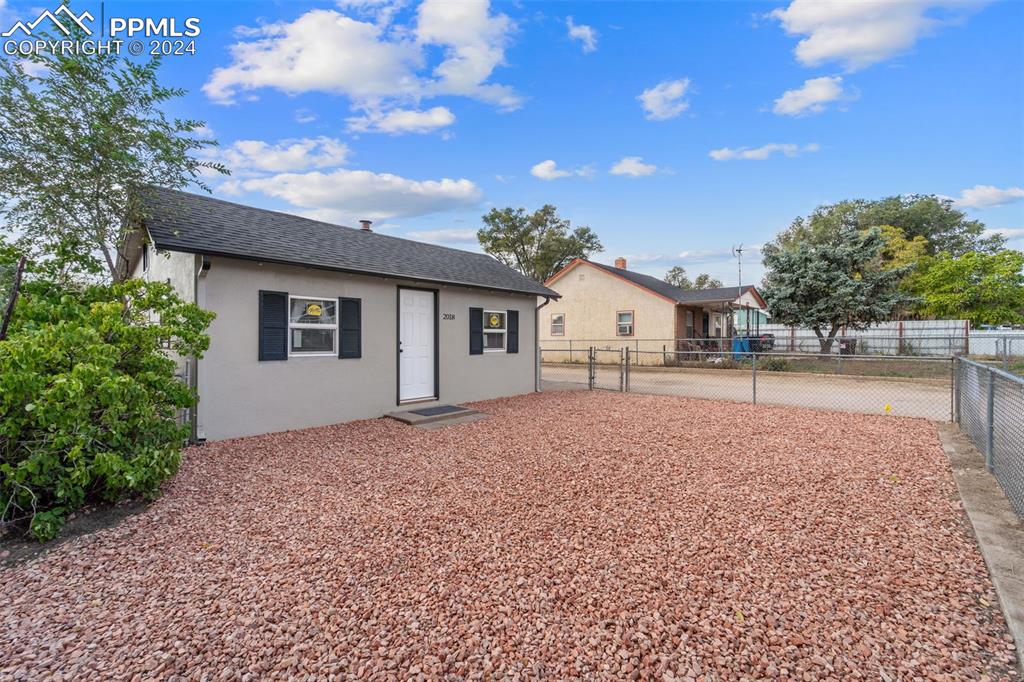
(570, 534)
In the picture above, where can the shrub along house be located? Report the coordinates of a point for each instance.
(614, 307)
(318, 323)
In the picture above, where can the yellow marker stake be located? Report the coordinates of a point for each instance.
(888, 408)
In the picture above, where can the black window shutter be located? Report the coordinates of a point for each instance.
(476, 331)
(273, 325)
(350, 343)
(512, 343)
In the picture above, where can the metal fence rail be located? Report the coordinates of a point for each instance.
(989, 408)
(1007, 347)
(909, 386)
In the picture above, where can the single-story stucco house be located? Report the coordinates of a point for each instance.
(611, 305)
(318, 323)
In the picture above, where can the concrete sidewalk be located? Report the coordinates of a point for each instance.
(999, 531)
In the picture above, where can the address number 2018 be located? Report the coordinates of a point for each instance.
(447, 316)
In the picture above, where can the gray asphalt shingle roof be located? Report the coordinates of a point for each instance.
(675, 293)
(182, 221)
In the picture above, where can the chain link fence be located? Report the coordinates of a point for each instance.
(989, 408)
(908, 386)
(1007, 347)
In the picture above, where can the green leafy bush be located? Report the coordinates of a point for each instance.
(770, 364)
(89, 397)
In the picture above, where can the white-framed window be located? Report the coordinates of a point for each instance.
(312, 326)
(624, 323)
(145, 257)
(557, 324)
(495, 331)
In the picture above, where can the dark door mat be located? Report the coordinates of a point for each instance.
(438, 409)
(434, 413)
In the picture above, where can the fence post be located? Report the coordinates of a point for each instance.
(622, 368)
(753, 373)
(625, 383)
(990, 441)
(954, 390)
(590, 369)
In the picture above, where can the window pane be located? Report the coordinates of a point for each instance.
(625, 318)
(494, 341)
(494, 320)
(312, 340)
(313, 311)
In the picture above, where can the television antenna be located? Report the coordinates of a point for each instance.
(737, 253)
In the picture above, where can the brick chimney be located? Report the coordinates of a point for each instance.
(366, 225)
(620, 263)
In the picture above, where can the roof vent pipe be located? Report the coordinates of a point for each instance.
(366, 225)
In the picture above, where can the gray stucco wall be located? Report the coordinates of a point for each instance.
(240, 396)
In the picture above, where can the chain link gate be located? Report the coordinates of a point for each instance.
(607, 369)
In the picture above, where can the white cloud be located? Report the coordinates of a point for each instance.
(449, 236)
(858, 34)
(1008, 232)
(305, 116)
(31, 68)
(716, 255)
(324, 50)
(633, 165)
(245, 157)
(399, 121)
(987, 196)
(583, 33)
(811, 97)
(760, 153)
(474, 43)
(549, 170)
(355, 194)
(665, 100)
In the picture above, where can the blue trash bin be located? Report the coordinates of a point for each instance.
(740, 345)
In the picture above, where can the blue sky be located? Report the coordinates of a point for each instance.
(674, 130)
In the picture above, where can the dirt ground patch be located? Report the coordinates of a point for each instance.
(17, 548)
(567, 535)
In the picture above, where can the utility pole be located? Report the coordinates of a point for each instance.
(737, 252)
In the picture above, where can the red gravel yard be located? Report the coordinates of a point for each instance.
(567, 535)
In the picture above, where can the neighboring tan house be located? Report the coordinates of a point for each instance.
(604, 303)
(318, 323)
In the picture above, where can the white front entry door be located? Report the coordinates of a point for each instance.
(416, 339)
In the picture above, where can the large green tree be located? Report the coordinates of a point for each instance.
(828, 287)
(981, 287)
(538, 244)
(936, 220)
(81, 137)
(676, 276)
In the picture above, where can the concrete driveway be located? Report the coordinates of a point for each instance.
(928, 398)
